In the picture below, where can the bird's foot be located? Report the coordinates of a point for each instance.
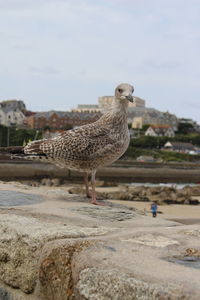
(98, 203)
(95, 202)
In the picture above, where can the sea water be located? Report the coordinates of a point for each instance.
(174, 185)
(13, 198)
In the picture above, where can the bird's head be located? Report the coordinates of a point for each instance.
(124, 91)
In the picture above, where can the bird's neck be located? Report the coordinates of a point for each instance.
(119, 106)
(117, 114)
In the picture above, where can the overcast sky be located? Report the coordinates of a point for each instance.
(55, 54)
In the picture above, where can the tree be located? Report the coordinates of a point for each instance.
(185, 128)
(145, 127)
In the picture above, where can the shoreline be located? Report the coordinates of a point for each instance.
(175, 212)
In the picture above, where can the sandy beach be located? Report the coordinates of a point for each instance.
(191, 213)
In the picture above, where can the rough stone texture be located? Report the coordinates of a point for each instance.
(192, 252)
(97, 284)
(169, 195)
(107, 213)
(21, 241)
(66, 249)
(154, 240)
(160, 194)
(55, 273)
(193, 232)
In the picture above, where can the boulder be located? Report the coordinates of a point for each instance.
(56, 181)
(46, 181)
(21, 241)
(192, 190)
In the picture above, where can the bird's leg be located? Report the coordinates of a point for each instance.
(88, 193)
(94, 198)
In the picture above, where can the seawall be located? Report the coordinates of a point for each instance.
(119, 172)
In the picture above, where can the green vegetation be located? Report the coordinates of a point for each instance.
(165, 156)
(185, 128)
(151, 142)
(151, 146)
(17, 137)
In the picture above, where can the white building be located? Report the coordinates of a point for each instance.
(91, 108)
(106, 101)
(160, 131)
(2, 116)
(11, 113)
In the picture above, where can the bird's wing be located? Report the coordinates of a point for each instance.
(80, 143)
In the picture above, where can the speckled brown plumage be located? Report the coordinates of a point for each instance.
(88, 147)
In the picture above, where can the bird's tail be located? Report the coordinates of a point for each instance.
(19, 152)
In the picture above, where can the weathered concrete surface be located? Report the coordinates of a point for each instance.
(65, 248)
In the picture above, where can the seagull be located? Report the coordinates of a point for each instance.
(91, 146)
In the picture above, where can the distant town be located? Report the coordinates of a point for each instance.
(142, 121)
(15, 113)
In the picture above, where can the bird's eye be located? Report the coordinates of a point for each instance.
(120, 90)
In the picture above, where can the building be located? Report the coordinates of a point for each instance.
(179, 147)
(60, 119)
(194, 124)
(11, 113)
(106, 101)
(90, 108)
(13, 104)
(140, 116)
(160, 130)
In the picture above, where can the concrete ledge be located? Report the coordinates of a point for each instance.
(167, 173)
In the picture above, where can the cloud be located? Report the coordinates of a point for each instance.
(85, 43)
(47, 70)
(13, 5)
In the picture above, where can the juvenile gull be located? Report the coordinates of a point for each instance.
(88, 147)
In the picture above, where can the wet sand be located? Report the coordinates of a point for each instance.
(186, 214)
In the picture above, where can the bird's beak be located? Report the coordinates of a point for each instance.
(129, 98)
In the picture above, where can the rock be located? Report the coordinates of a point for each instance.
(99, 183)
(55, 181)
(192, 252)
(195, 232)
(95, 284)
(154, 240)
(21, 241)
(77, 190)
(160, 194)
(192, 190)
(55, 273)
(193, 201)
(46, 181)
(106, 213)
